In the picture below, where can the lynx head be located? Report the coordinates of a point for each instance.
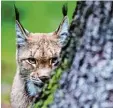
(38, 54)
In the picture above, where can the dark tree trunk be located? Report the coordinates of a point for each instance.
(89, 81)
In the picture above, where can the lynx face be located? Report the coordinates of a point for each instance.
(38, 54)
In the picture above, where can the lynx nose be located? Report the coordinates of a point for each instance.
(44, 78)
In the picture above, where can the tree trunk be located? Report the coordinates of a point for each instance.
(88, 83)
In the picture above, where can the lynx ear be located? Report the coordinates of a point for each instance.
(62, 31)
(21, 33)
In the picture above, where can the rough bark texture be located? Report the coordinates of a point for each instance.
(89, 82)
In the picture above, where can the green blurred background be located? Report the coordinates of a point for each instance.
(35, 16)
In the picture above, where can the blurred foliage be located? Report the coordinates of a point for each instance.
(42, 16)
(49, 89)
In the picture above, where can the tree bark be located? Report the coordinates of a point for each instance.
(88, 83)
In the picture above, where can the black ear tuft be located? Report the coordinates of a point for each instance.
(21, 33)
(18, 19)
(16, 13)
(64, 9)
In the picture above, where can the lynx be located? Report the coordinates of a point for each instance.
(38, 54)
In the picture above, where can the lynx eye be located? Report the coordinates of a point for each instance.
(54, 60)
(32, 60)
